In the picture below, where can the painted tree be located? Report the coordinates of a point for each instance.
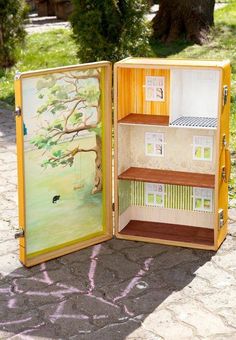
(71, 105)
(189, 18)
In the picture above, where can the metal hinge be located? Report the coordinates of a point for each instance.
(225, 94)
(19, 233)
(221, 218)
(113, 206)
(18, 111)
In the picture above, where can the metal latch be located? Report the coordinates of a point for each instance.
(223, 174)
(19, 233)
(225, 94)
(221, 218)
(18, 111)
(224, 141)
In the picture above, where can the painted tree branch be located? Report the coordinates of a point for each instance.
(73, 119)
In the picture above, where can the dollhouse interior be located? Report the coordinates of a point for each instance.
(167, 123)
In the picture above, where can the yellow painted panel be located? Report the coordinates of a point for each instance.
(20, 169)
(126, 92)
(140, 91)
(152, 107)
(155, 62)
(131, 92)
(223, 156)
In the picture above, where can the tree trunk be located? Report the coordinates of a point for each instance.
(45, 8)
(190, 19)
(98, 166)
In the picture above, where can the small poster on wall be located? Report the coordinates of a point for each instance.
(155, 89)
(202, 148)
(154, 144)
(202, 199)
(154, 194)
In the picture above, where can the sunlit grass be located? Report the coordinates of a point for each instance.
(42, 50)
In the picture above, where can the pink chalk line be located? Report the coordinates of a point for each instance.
(59, 314)
(102, 300)
(93, 265)
(135, 280)
(5, 290)
(12, 303)
(16, 287)
(46, 279)
(14, 322)
(23, 335)
(127, 311)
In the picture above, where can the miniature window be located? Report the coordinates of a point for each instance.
(155, 88)
(202, 199)
(154, 144)
(202, 148)
(154, 194)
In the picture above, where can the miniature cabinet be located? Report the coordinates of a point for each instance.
(172, 162)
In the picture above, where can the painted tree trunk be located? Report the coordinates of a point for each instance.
(98, 166)
(189, 18)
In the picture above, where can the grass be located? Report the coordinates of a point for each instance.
(42, 50)
(57, 48)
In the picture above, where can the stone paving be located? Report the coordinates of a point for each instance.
(116, 290)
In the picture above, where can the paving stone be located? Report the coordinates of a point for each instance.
(142, 334)
(217, 277)
(8, 247)
(226, 261)
(127, 269)
(123, 244)
(205, 322)
(4, 225)
(137, 254)
(175, 256)
(222, 298)
(228, 314)
(160, 322)
(114, 331)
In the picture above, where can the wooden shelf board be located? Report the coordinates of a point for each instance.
(169, 177)
(170, 232)
(135, 118)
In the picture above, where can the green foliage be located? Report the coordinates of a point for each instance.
(12, 33)
(110, 30)
(41, 50)
(67, 105)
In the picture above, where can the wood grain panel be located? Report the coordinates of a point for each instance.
(169, 177)
(171, 232)
(135, 118)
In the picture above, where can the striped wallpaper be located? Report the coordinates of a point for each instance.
(132, 193)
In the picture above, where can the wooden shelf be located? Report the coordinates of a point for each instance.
(134, 118)
(170, 232)
(169, 177)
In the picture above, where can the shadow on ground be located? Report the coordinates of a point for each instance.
(102, 292)
(163, 50)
